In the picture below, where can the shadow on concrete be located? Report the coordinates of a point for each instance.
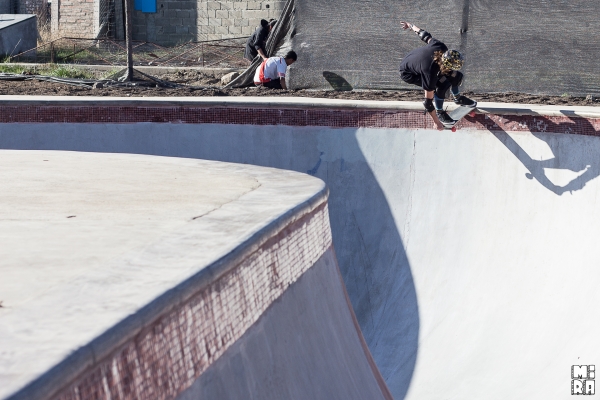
(368, 244)
(337, 82)
(573, 155)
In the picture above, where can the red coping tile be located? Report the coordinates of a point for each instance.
(290, 117)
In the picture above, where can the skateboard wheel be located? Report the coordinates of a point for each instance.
(453, 129)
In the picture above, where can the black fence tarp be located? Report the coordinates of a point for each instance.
(532, 46)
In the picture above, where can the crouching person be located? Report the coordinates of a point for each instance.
(271, 72)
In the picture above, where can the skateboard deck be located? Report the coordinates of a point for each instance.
(459, 114)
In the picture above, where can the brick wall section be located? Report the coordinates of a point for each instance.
(76, 18)
(180, 21)
(168, 356)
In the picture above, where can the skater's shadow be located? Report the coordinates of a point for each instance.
(579, 154)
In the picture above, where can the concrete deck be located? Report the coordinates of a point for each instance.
(89, 240)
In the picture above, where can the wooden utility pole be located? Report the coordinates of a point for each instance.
(128, 36)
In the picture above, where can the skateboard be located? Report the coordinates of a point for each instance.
(459, 114)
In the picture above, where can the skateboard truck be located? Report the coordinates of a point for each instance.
(459, 114)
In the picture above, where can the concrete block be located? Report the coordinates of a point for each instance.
(161, 22)
(214, 37)
(214, 21)
(201, 21)
(183, 14)
(213, 5)
(235, 14)
(205, 29)
(227, 5)
(235, 30)
(277, 5)
(240, 5)
(254, 22)
(222, 13)
(168, 29)
(206, 13)
(276, 14)
(222, 30)
(187, 5)
(247, 30)
(253, 14)
(181, 29)
(254, 5)
(188, 21)
(240, 22)
(227, 22)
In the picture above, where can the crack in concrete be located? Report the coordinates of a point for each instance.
(230, 201)
(406, 234)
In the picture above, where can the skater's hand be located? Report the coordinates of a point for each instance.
(439, 126)
(406, 25)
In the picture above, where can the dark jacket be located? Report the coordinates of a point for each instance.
(256, 41)
(418, 67)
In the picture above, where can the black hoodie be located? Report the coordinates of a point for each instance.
(257, 40)
(418, 67)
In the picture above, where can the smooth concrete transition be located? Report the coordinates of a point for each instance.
(470, 258)
(305, 346)
(88, 240)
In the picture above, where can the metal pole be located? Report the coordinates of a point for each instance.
(128, 36)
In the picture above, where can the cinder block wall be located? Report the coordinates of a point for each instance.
(21, 6)
(178, 21)
(74, 18)
(30, 6)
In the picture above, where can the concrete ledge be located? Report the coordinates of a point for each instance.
(290, 103)
(177, 266)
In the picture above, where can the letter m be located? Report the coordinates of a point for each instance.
(579, 372)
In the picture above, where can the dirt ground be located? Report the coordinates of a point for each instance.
(196, 78)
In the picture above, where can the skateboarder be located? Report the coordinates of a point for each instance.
(436, 69)
(256, 43)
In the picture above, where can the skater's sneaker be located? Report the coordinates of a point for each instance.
(444, 117)
(464, 101)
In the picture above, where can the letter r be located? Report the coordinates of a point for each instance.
(576, 387)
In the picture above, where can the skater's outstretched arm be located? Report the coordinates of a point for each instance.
(424, 35)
